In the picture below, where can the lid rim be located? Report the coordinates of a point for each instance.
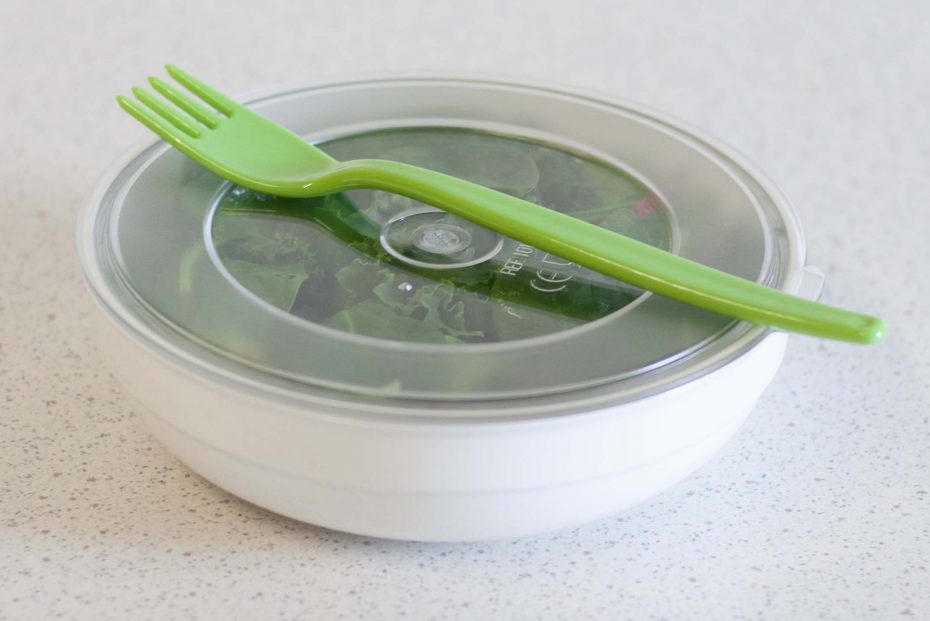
(90, 261)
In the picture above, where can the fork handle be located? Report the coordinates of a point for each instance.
(612, 254)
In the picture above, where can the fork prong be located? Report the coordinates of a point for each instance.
(154, 122)
(199, 112)
(213, 97)
(169, 113)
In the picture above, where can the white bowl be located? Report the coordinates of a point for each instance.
(514, 454)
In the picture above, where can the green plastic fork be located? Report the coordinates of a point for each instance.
(252, 151)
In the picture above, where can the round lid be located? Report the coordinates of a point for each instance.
(376, 295)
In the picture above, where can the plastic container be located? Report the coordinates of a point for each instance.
(369, 364)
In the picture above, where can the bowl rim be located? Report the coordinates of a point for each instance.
(201, 365)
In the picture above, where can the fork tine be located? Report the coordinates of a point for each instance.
(154, 122)
(199, 112)
(167, 112)
(213, 97)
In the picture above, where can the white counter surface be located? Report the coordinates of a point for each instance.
(818, 509)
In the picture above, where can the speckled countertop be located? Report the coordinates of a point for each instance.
(818, 509)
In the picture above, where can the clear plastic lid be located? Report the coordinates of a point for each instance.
(377, 295)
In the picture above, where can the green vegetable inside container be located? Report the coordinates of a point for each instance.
(384, 266)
